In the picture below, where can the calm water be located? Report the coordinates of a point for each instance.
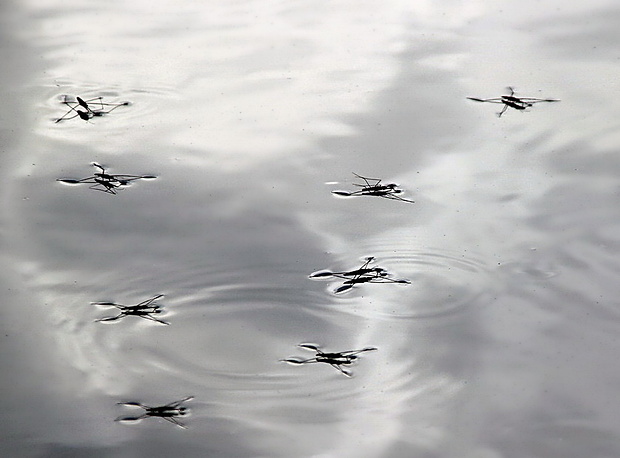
(250, 113)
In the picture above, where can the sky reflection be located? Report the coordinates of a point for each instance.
(500, 346)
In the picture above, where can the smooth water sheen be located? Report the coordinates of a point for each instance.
(250, 113)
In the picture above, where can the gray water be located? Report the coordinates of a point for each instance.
(250, 113)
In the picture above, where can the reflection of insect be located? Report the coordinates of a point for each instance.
(106, 182)
(94, 107)
(373, 187)
(168, 412)
(364, 274)
(143, 310)
(518, 103)
(336, 360)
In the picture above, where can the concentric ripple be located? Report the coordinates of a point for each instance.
(443, 282)
(140, 104)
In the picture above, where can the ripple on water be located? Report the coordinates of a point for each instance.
(232, 337)
(442, 282)
(141, 102)
(225, 332)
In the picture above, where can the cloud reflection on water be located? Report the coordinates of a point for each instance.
(254, 117)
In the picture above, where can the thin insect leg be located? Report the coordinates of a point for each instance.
(365, 265)
(64, 117)
(348, 278)
(175, 421)
(112, 318)
(71, 108)
(180, 401)
(368, 261)
(499, 115)
(99, 166)
(108, 104)
(345, 276)
(368, 185)
(93, 99)
(307, 361)
(72, 105)
(126, 177)
(121, 104)
(493, 100)
(152, 318)
(113, 108)
(340, 369)
(110, 188)
(533, 100)
(361, 178)
(393, 197)
(357, 352)
(389, 280)
(151, 300)
(381, 280)
(105, 189)
(376, 180)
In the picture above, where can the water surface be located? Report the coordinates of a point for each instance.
(250, 113)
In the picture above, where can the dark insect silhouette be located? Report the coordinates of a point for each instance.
(144, 309)
(88, 109)
(105, 182)
(518, 103)
(374, 187)
(168, 412)
(364, 274)
(336, 359)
